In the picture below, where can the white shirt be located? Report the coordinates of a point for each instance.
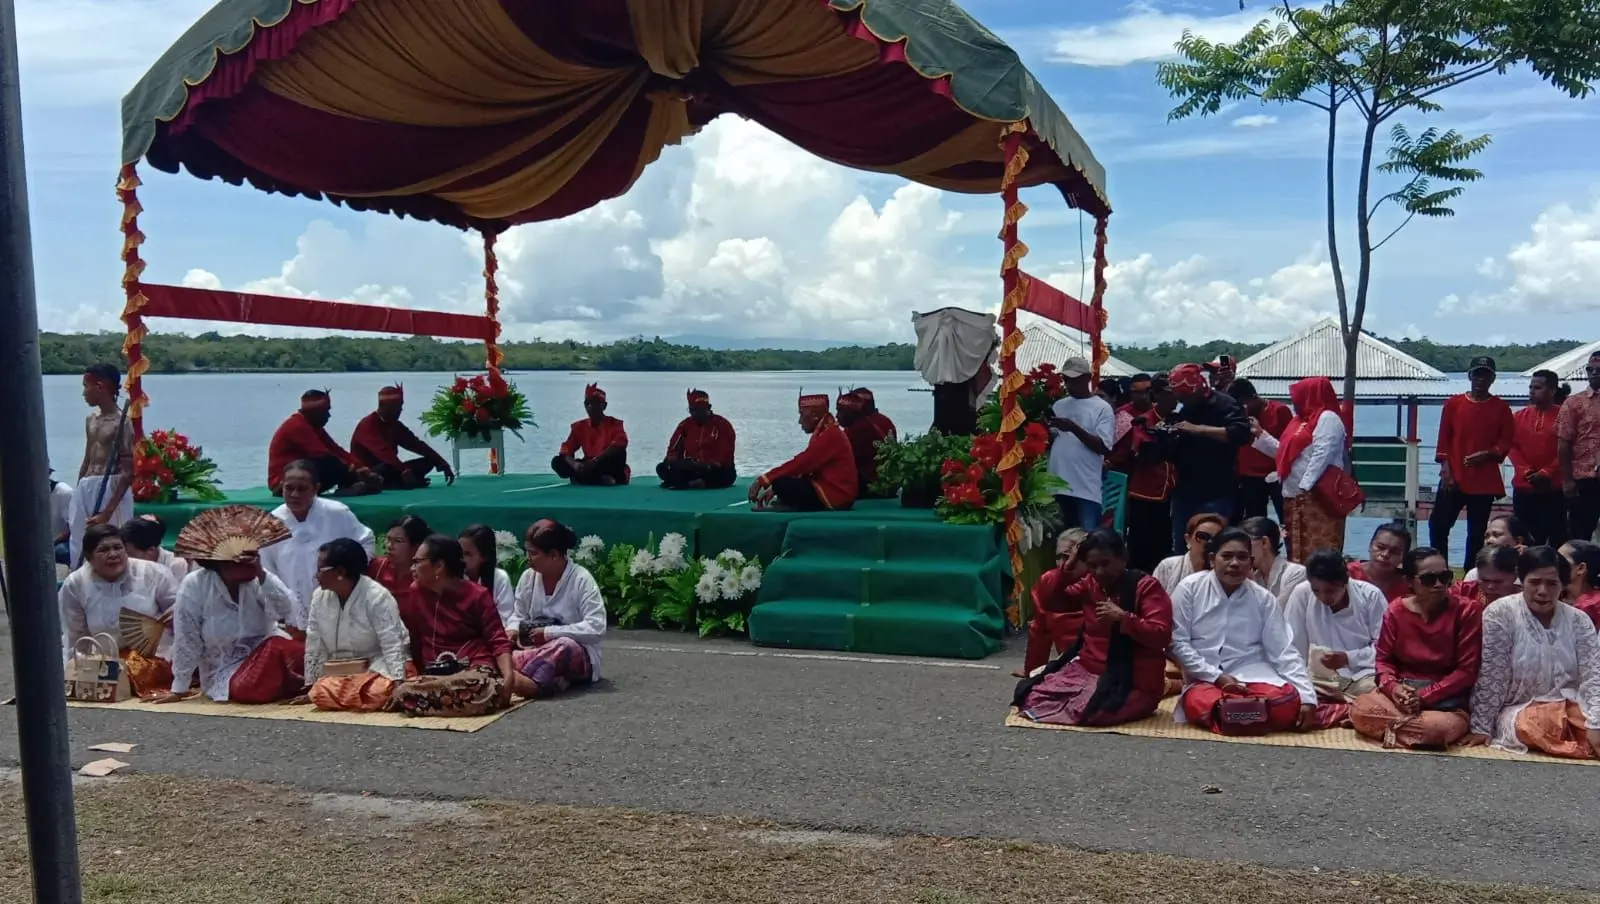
(505, 599)
(90, 606)
(179, 567)
(1243, 634)
(1327, 448)
(1352, 630)
(576, 606)
(294, 561)
(213, 633)
(1171, 571)
(366, 626)
(1070, 459)
(60, 509)
(1282, 578)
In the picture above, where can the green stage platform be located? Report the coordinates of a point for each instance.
(877, 579)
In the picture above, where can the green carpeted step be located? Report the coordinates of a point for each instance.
(951, 584)
(897, 628)
(896, 540)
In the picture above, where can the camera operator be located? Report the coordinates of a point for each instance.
(1211, 427)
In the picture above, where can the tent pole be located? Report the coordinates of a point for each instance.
(1011, 416)
(24, 508)
(492, 354)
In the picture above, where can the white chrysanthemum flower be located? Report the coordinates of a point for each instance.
(713, 569)
(643, 563)
(705, 590)
(731, 557)
(750, 578)
(591, 547)
(673, 545)
(507, 544)
(731, 589)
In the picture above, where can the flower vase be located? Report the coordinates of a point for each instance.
(494, 441)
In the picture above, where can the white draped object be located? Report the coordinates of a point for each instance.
(953, 345)
(575, 605)
(1243, 634)
(91, 606)
(294, 560)
(366, 626)
(215, 634)
(1525, 662)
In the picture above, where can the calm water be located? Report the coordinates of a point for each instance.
(232, 416)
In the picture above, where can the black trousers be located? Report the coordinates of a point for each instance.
(1447, 506)
(1583, 512)
(394, 478)
(594, 472)
(1255, 494)
(679, 473)
(1543, 514)
(797, 493)
(1149, 528)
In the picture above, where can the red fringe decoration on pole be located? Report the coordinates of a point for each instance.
(132, 269)
(491, 296)
(1011, 416)
(1097, 301)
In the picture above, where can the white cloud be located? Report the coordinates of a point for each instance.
(1254, 121)
(1144, 35)
(1149, 302)
(79, 52)
(1554, 271)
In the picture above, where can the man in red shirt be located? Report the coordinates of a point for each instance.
(865, 432)
(1536, 496)
(1255, 491)
(1476, 430)
(822, 477)
(1136, 451)
(304, 435)
(700, 452)
(380, 436)
(602, 441)
(1578, 449)
(870, 413)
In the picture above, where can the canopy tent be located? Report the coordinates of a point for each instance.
(483, 114)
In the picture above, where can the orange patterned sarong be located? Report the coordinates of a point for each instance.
(1556, 728)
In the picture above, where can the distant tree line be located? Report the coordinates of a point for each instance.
(171, 353)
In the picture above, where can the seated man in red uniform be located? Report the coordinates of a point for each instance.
(304, 436)
(700, 453)
(865, 432)
(821, 477)
(870, 413)
(380, 436)
(602, 442)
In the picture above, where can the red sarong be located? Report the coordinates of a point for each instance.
(274, 671)
(1283, 705)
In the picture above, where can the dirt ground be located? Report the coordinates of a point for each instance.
(150, 838)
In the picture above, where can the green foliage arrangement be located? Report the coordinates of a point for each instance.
(665, 588)
(911, 465)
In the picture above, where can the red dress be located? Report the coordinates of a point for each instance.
(1444, 651)
(1394, 590)
(462, 622)
(395, 578)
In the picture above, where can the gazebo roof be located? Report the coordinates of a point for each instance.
(1569, 365)
(1318, 351)
(1050, 343)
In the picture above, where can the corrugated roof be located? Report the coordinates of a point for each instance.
(1569, 365)
(1046, 342)
(1318, 351)
(1373, 391)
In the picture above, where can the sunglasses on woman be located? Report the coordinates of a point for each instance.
(1436, 578)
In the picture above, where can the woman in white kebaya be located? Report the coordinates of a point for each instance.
(560, 616)
(357, 648)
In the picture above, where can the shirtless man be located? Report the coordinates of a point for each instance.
(105, 478)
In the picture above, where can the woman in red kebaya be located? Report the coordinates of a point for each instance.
(1386, 554)
(1114, 672)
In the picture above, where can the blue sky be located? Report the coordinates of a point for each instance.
(1217, 230)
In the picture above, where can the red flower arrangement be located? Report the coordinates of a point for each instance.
(476, 406)
(165, 464)
(972, 483)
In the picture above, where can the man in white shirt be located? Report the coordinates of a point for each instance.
(1084, 426)
(1273, 570)
(60, 525)
(1335, 622)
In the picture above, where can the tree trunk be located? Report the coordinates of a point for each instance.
(1333, 242)
(1364, 260)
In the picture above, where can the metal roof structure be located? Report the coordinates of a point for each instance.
(1318, 351)
(1046, 342)
(1374, 392)
(1568, 365)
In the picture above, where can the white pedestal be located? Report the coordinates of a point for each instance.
(495, 441)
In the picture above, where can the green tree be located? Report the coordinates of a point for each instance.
(1374, 62)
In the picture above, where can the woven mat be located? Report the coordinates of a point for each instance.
(200, 706)
(1161, 725)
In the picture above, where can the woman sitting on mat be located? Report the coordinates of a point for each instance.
(226, 626)
(1386, 554)
(1584, 590)
(1495, 576)
(1242, 674)
(312, 521)
(478, 549)
(357, 647)
(1197, 533)
(143, 535)
(560, 616)
(1055, 621)
(1539, 682)
(450, 616)
(393, 568)
(92, 599)
(1113, 672)
(1426, 660)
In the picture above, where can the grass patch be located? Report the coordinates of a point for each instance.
(155, 838)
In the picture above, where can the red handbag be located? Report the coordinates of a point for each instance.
(1338, 491)
(1242, 715)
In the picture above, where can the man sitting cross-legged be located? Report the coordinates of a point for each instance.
(602, 441)
(1335, 622)
(700, 453)
(821, 477)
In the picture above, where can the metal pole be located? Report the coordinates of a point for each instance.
(25, 509)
